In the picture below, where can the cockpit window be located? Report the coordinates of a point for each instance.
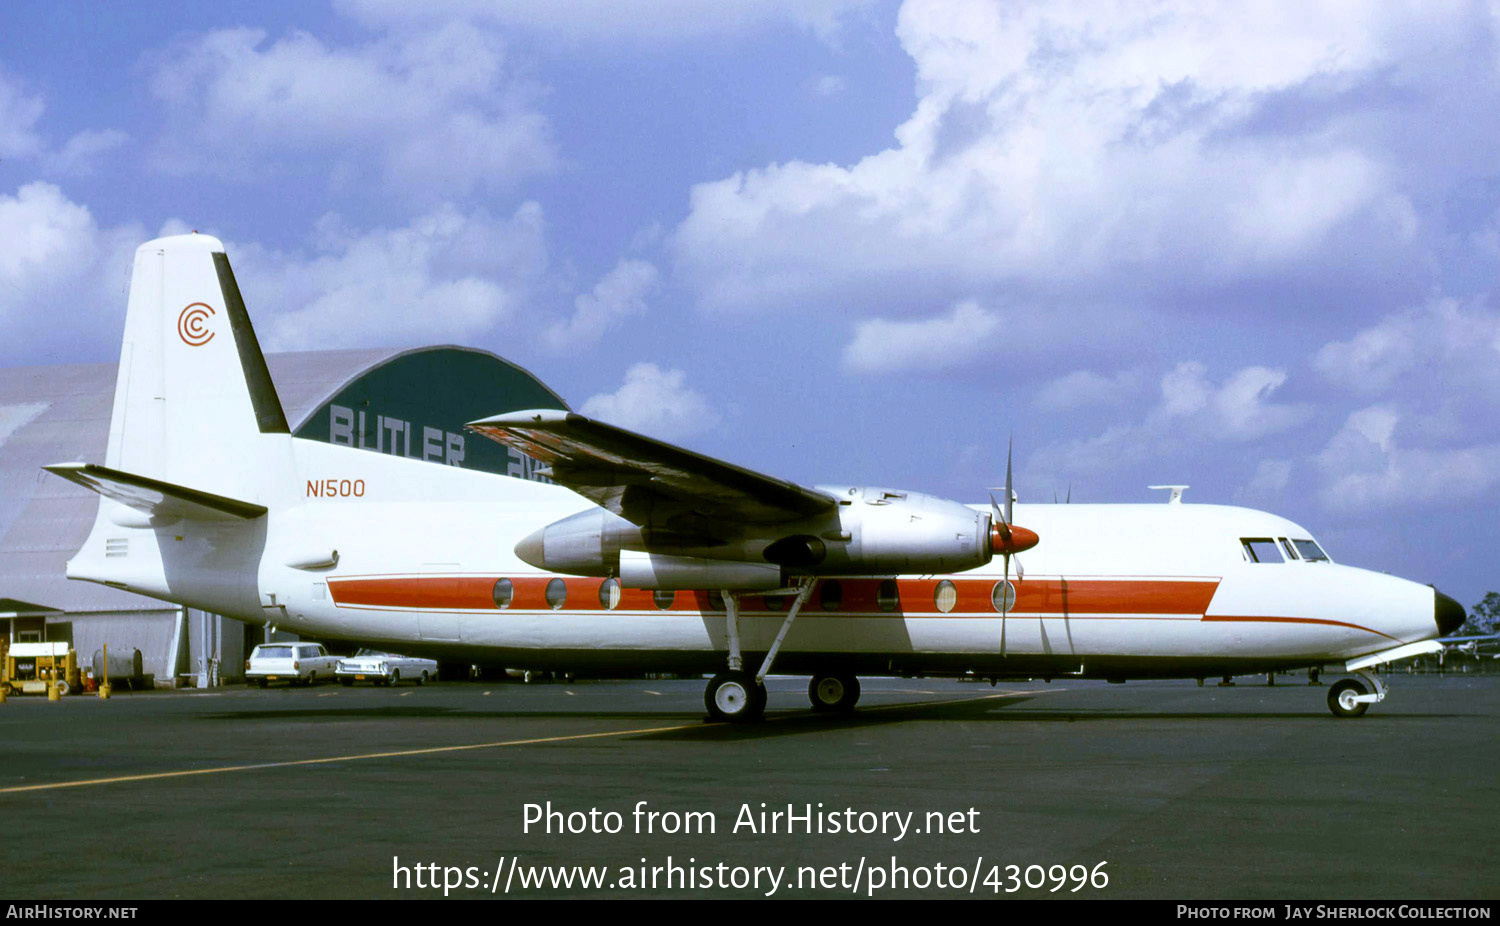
(1261, 550)
(1287, 548)
(1310, 551)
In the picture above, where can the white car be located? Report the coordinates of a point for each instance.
(296, 663)
(384, 668)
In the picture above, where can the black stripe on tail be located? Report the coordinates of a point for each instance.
(268, 413)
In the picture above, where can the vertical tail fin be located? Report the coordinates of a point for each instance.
(193, 394)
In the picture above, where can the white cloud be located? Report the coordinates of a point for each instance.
(1443, 337)
(430, 113)
(1062, 147)
(20, 139)
(1085, 388)
(656, 402)
(1192, 410)
(1268, 483)
(618, 296)
(19, 112)
(941, 343)
(81, 154)
(828, 86)
(445, 276)
(1365, 468)
(611, 22)
(63, 278)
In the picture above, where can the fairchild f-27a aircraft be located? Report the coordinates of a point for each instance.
(650, 558)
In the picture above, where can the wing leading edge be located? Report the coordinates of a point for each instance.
(633, 475)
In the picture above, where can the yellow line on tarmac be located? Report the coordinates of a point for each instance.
(430, 750)
(434, 750)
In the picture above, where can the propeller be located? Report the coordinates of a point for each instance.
(1007, 539)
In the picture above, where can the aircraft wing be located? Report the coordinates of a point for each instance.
(633, 475)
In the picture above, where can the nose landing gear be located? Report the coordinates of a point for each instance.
(1347, 698)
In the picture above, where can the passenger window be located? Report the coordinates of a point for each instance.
(831, 595)
(1261, 549)
(556, 594)
(609, 594)
(945, 596)
(663, 597)
(502, 593)
(1003, 597)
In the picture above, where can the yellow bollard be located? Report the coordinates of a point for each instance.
(104, 685)
(4, 690)
(52, 692)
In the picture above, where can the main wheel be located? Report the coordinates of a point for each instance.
(395, 678)
(735, 697)
(347, 682)
(1341, 698)
(422, 679)
(833, 692)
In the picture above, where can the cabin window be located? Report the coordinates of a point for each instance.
(1311, 551)
(775, 602)
(557, 593)
(1003, 597)
(1261, 550)
(945, 596)
(663, 597)
(716, 599)
(503, 592)
(609, 594)
(831, 595)
(888, 595)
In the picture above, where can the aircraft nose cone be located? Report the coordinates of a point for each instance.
(1448, 613)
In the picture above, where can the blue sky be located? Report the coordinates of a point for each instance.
(1249, 248)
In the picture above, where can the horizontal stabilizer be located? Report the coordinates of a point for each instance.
(154, 497)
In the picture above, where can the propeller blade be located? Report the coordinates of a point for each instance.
(1009, 483)
(1006, 610)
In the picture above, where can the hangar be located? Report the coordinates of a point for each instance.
(408, 402)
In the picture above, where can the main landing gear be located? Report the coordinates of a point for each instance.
(738, 696)
(833, 693)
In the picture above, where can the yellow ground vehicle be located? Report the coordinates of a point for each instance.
(30, 667)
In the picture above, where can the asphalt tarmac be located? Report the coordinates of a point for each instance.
(1157, 790)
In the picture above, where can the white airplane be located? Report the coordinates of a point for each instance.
(209, 502)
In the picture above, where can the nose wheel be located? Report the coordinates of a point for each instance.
(833, 693)
(1349, 698)
(735, 697)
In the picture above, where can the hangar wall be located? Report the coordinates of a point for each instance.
(408, 402)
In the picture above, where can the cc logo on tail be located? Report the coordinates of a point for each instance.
(192, 324)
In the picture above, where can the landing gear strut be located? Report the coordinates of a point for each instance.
(737, 696)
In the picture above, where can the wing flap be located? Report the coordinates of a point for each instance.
(620, 470)
(154, 497)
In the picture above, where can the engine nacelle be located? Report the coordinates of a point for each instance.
(868, 532)
(660, 570)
